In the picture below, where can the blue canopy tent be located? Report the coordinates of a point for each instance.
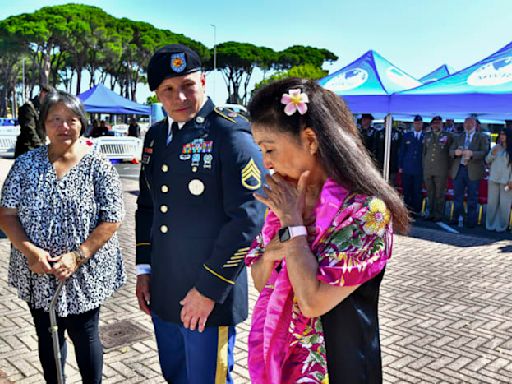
(436, 74)
(484, 88)
(100, 99)
(366, 83)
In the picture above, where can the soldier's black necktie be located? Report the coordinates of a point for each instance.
(174, 131)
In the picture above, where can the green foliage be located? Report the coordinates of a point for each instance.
(151, 100)
(60, 43)
(306, 71)
(299, 55)
(237, 62)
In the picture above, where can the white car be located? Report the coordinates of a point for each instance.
(237, 108)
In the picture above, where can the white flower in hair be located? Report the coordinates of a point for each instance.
(295, 101)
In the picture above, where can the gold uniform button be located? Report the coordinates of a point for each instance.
(164, 188)
(164, 229)
(164, 208)
(165, 168)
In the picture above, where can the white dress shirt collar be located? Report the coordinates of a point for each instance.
(180, 124)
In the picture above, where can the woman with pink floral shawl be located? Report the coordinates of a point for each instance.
(320, 258)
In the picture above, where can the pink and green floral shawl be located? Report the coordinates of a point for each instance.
(352, 241)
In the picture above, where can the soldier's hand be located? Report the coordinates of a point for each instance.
(196, 309)
(458, 152)
(142, 293)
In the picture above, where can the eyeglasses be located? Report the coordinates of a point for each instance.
(57, 121)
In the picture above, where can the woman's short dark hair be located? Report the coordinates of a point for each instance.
(71, 102)
(341, 151)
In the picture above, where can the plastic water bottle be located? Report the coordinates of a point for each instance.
(461, 221)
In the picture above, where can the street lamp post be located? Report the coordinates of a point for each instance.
(23, 80)
(214, 56)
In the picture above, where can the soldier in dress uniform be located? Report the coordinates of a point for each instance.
(436, 163)
(367, 132)
(32, 134)
(379, 139)
(196, 218)
(410, 162)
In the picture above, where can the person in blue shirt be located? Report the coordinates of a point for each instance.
(196, 219)
(410, 163)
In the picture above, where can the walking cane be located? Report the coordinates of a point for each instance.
(55, 335)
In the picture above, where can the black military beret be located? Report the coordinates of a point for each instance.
(418, 118)
(367, 116)
(436, 118)
(170, 61)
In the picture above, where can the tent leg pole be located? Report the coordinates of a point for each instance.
(387, 146)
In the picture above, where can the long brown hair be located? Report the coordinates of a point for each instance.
(341, 151)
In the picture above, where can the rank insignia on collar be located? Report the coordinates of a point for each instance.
(251, 176)
(178, 62)
(200, 119)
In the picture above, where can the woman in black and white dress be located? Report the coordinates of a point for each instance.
(61, 205)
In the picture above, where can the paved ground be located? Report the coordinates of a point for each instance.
(445, 310)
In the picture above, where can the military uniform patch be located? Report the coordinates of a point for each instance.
(178, 62)
(251, 176)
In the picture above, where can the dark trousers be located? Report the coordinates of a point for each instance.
(411, 185)
(435, 185)
(193, 357)
(83, 330)
(460, 183)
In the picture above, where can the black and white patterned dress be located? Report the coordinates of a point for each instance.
(58, 215)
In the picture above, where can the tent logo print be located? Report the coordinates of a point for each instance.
(400, 78)
(497, 72)
(347, 80)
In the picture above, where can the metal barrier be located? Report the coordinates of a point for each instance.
(113, 147)
(119, 147)
(8, 137)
